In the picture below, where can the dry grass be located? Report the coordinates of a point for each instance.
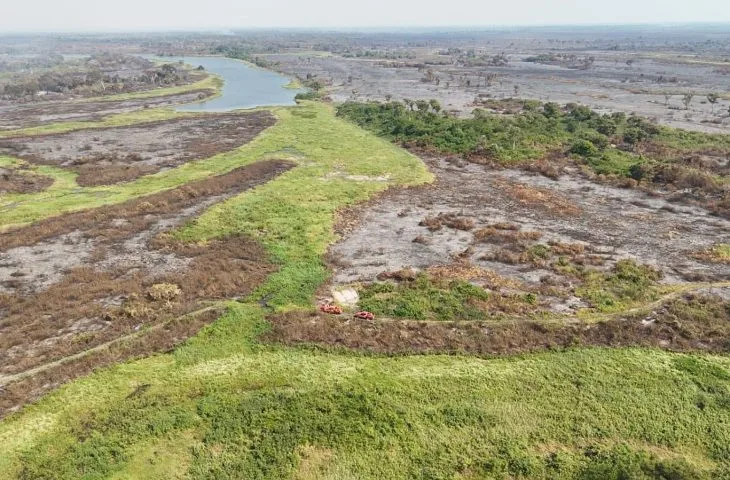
(164, 339)
(551, 167)
(540, 198)
(403, 275)
(163, 291)
(450, 220)
(91, 174)
(719, 253)
(12, 181)
(492, 234)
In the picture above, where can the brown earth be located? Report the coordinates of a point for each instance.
(101, 156)
(12, 181)
(74, 282)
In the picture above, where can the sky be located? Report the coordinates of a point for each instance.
(158, 15)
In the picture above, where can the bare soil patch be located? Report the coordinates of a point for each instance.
(102, 156)
(73, 282)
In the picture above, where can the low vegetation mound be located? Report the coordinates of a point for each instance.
(99, 74)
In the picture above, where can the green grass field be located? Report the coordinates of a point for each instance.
(227, 406)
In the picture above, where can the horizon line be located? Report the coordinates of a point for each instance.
(381, 28)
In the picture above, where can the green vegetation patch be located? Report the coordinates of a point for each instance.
(626, 284)
(424, 299)
(225, 406)
(302, 201)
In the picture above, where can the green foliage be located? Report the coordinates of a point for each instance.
(584, 148)
(521, 137)
(226, 406)
(626, 283)
(422, 299)
(537, 129)
(292, 216)
(615, 162)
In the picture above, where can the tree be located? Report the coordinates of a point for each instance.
(687, 99)
(667, 97)
(713, 99)
(435, 105)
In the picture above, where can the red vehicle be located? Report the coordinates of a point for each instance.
(328, 308)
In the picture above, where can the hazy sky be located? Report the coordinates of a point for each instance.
(65, 15)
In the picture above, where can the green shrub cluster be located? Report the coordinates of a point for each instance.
(627, 282)
(537, 129)
(424, 299)
(607, 143)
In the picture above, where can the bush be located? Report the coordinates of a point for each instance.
(163, 291)
(424, 299)
(584, 148)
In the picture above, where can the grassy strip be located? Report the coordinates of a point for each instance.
(121, 119)
(118, 120)
(293, 216)
(297, 135)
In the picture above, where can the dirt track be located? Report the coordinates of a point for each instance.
(667, 326)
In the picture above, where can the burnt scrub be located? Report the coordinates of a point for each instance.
(101, 156)
(125, 275)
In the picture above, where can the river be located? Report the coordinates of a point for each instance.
(244, 86)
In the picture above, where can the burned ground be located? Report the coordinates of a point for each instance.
(102, 156)
(646, 86)
(74, 282)
(32, 114)
(609, 222)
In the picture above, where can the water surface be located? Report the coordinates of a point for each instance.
(244, 86)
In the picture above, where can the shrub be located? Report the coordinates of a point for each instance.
(584, 148)
(163, 291)
(424, 299)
